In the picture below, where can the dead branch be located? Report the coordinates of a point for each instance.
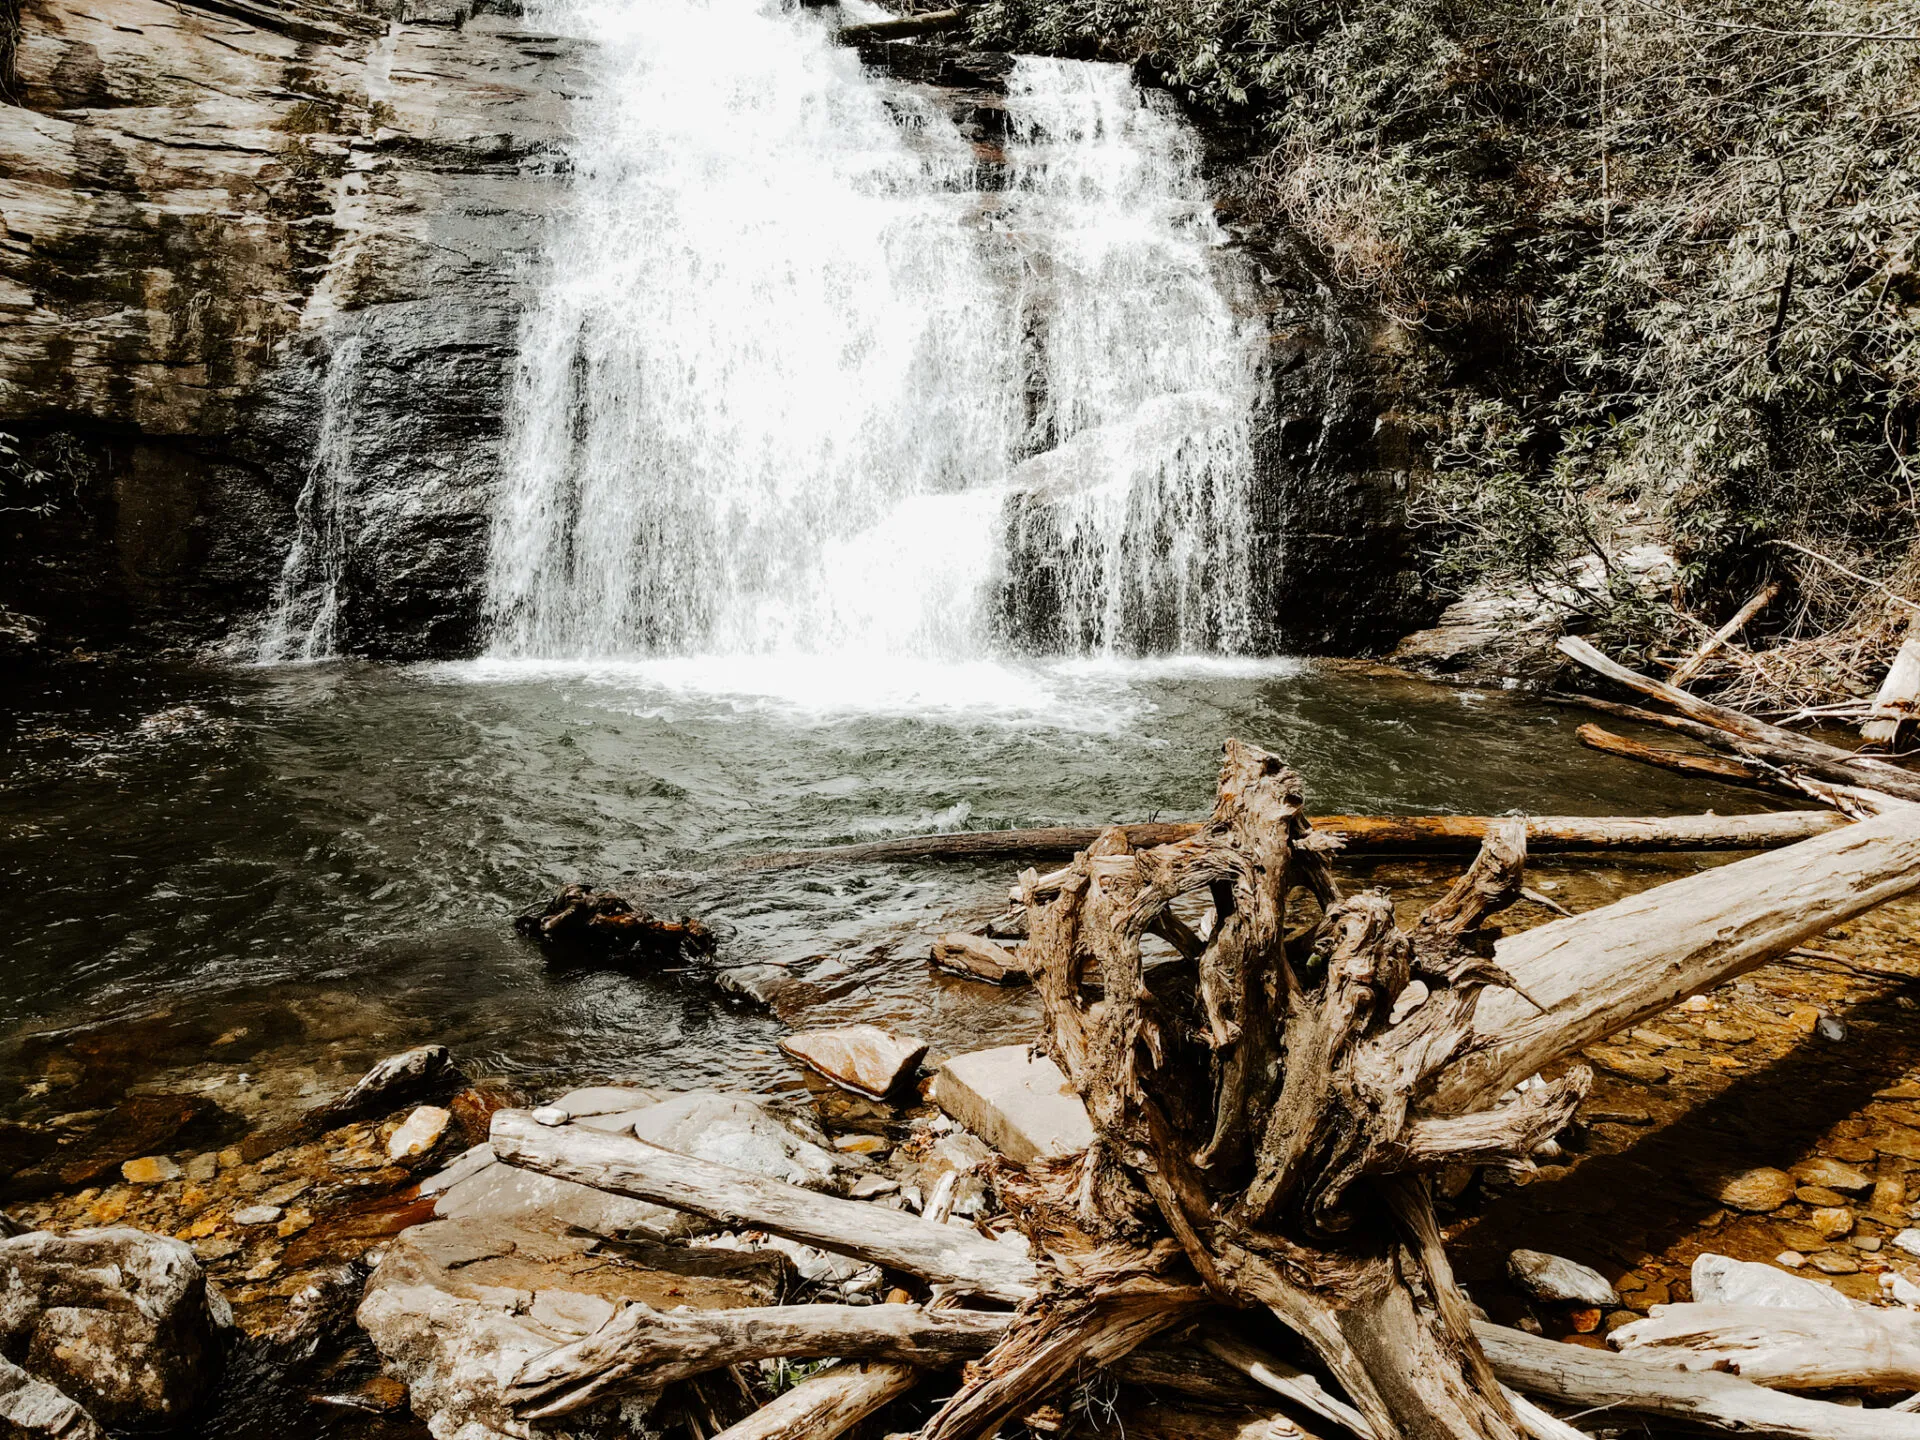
(1783, 1349)
(1697, 661)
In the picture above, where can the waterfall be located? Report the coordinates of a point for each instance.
(802, 380)
(304, 623)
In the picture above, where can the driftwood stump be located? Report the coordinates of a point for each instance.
(581, 923)
(1253, 1100)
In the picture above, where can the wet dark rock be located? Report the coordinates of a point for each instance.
(424, 1073)
(139, 1127)
(122, 1321)
(581, 923)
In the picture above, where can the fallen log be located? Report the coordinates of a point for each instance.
(979, 957)
(1608, 969)
(1782, 1349)
(1754, 738)
(1725, 1404)
(905, 28)
(641, 1349)
(948, 1255)
(826, 1405)
(1357, 834)
(1684, 762)
(1697, 661)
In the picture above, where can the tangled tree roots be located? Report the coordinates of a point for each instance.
(1254, 1106)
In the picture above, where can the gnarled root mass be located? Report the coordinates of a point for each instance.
(1256, 1103)
(587, 924)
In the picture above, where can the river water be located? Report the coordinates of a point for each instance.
(329, 857)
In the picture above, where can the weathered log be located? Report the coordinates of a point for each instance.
(1782, 1349)
(1357, 834)
(1684, 762)
(1754, 738)
(906, 27)
(826, 1405)
(979, 957)
(641, 1349)
(1610, 968)
(1725, 1404)
(1697, 661)
(948, 1255)
(1898, 700)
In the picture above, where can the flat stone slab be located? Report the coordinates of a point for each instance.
(862, 1058)
(603, 1100)
(1017, 1102)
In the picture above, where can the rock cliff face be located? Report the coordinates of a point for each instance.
(253, 244)
(203, 203)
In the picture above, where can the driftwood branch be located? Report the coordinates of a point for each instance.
(933, 22)
(1355, 834)
(1724, 1404)
(1783, 1349)
(945, 1254)
(825, 1405)
(641, 1349)
(1697, 661)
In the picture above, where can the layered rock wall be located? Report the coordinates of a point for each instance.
(204, 203)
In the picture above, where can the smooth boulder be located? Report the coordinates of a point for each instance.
(862, 1058)
(1560, 1281)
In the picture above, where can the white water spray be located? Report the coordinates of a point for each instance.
(799, 384)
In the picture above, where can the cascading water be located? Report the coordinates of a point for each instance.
(304, 623)
(799, 383)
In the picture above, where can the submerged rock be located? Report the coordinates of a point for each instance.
(1560, 1281)
(862, 1058)
(122, 1321)
(426, 1072)
(1017, 1102)
(419, 1133)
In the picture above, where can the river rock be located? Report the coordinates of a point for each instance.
(1756, 1191)
(426, 1072)
(1722, 1280)
(1560, 1281)
(31, 1409)
(122, 1321)
(1831, 1175)
(1016, 1101)
(738, 1130)
(1831, 1221)
(863, 1058)
(418, 1133)
(603, 1100)
(149, 1170)
(257, 1215)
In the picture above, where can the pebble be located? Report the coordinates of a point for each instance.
(1627, 1064)
(869, 1186)
(202, 1168)
(419, 1132)
(1831, 1221)
(1830, 1029)
(1790, 1259)
(1756, 1191)
(257, 1215)
(1831, 1174)
(149, 1170)
(1869, 1243)
(1726, 1033)
(549, 1115)
(1819, 1195)
(1832, 1262)
(1908, 1240)
(1889, 1195)
(1697, 1004)
(861, 1144)
(1903, 1290)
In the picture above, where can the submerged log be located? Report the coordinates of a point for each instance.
(598, 924)
(1356, 834)
(1684, 762)
(945, 1254)
(1708, 1400)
